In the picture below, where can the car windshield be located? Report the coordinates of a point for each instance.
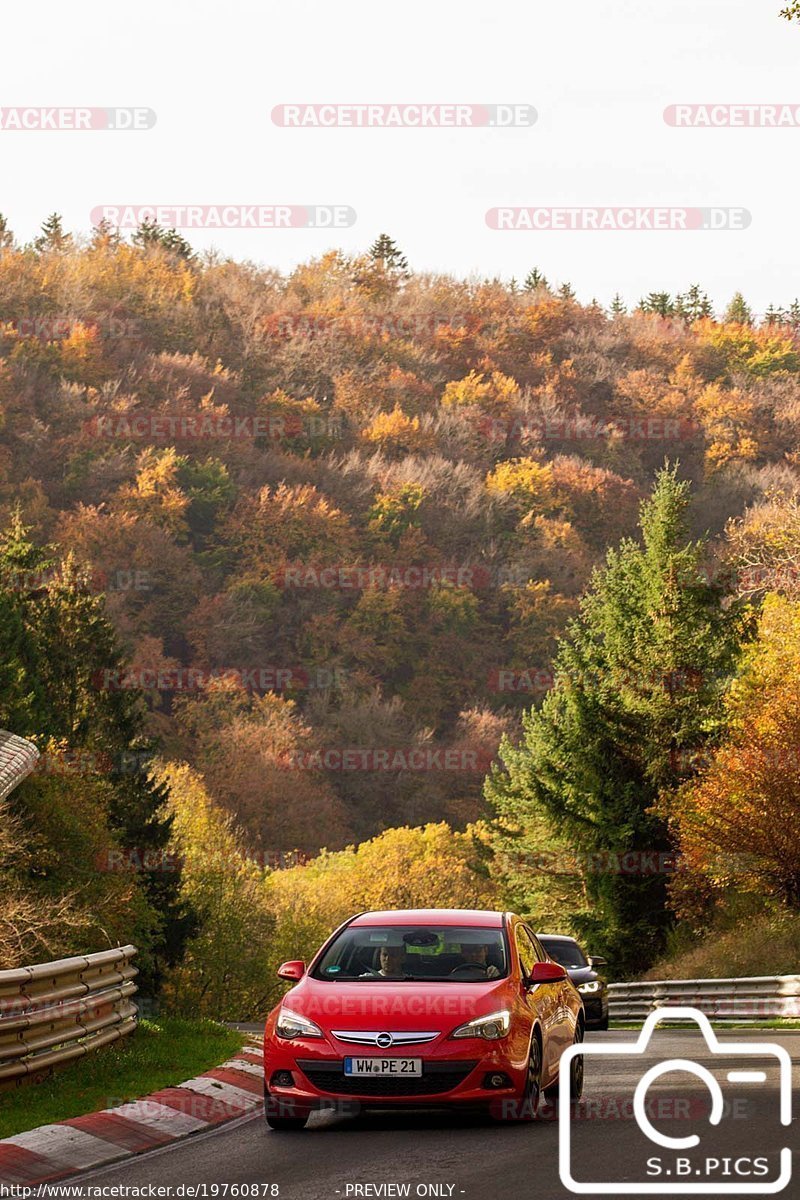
(440, 953)
(565, 952)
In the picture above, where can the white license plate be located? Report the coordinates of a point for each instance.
(408, 1067)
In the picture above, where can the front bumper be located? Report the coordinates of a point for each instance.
(595, 1008)
(450, 1076)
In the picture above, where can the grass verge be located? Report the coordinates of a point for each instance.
(159, 1054)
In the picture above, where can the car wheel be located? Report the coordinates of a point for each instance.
(281, 1121)
(602, 1024)
(533, 1083)
(576, 1068)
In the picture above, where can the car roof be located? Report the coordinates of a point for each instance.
(432, 916)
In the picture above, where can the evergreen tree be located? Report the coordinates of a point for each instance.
(617, 308)
(566, 292)
(385, 253)
(775, 316)
(59, 662)
(6, 236)
(105, 236)
(658, 302)
(738, 312)
(534, 280)
(149, 233)
(639, 678)
(694, 304)
(53, 238)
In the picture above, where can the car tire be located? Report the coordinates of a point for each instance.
(282, 1124)
(576, 1068)
(525, 1107)
(603, 1024)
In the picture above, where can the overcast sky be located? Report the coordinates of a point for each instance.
(598, 72)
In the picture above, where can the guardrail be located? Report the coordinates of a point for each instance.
(763, 997)
(18, 757)
(53, 1013)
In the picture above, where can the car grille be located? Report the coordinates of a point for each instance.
(329, 1076)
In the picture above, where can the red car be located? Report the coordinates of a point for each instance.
(422, 1007)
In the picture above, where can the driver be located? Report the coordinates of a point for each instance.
(391, 960)
(477, 954)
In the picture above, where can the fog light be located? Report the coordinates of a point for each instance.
(496, 1079)
(282, 1079)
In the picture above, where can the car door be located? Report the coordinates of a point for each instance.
(543, 1001)
(563, 1033)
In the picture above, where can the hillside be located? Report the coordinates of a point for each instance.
(341, 517)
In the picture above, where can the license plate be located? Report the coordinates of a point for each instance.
(408, 1067)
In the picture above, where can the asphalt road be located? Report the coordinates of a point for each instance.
(337, 1158)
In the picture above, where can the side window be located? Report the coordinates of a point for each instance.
(526, 949)
(541, 954)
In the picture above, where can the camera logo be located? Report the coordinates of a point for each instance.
(676, 1171)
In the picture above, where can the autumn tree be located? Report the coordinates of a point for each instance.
(738, 824)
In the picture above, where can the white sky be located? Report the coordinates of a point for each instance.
(599, 72)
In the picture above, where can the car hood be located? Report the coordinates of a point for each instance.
(394, 1005)
(582, 975)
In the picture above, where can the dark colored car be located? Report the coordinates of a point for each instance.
(583, 971)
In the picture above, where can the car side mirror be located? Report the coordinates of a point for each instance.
(546, 972)
(294, 970)
(595, 962)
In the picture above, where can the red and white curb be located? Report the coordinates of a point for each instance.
(54, 1152)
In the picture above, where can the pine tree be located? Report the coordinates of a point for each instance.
(566, 292)
(53, 238)
(777, 316)
(639, 678)
(694, 305)
(6, 236)
(105, 236)
(57, 647)
(738, 312)
(617, 308)
(385, 252)
(149, 233)
(658, 302)
(534, 280)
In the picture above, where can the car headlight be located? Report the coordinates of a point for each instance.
(292, 1025)
(593, 986)
(495, 1026)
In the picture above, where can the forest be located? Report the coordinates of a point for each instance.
(356, 586)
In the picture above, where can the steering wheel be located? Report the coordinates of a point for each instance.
(468, 966)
